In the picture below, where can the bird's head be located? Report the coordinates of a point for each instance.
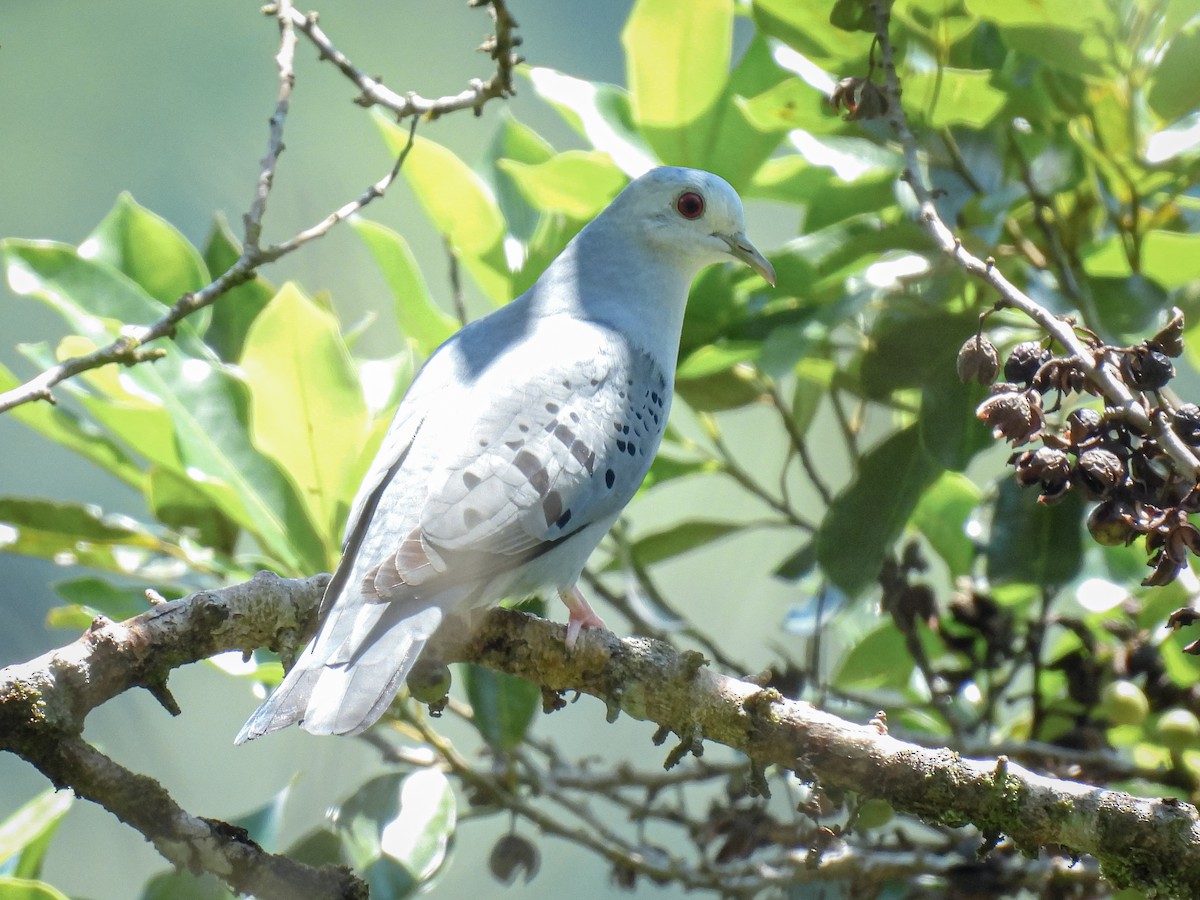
(692, 213)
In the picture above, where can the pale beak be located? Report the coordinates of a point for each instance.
(741, 248)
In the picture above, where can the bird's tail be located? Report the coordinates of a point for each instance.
(347, 679)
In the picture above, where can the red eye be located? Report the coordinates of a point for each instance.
(690, 205)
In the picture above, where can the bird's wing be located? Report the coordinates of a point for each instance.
(545, 457)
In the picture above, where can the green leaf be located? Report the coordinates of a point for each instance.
(94, 299)
(599, 112)
(715, 358)
(422, 322)
(504, 705)
(941, 516)
(667, 467)
(814, 376)
(517, 142)
(1126, 307)
(1032, 543)
(307, 407)
(577, 184)
(950, 432)
(184, 885)
(264, 823)
(99, 597)
(1174, 88)
(178, 503)
(25, 889)
(460, 205)
(879, 660)
(71, 533)
(78, 435)
(1062, 34)
(913, 348)
(396, 831)
(954, 97)
(867, 518)
(673, 103)
(26, 834)
(804, 25)
(681, 538)
(238, 307)
(148, 249)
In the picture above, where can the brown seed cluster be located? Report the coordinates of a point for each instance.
(1097, 452)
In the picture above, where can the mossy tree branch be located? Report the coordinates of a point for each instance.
(1150, 843)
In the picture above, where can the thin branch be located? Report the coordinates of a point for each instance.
(499, 46)
(1099, 370)
(1152, 843)
(129, 348)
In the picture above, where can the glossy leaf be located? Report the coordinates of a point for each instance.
(148, 249)
(671, 542)
(950, 431)
(178, 503)
(953, 97)
(27, 889)
(422, 322)
(577, 184)
(599, 112)
(1174, 91)
(238, 307)
(814, 376)
(27, 832)
(307, 407)
(941, 516)
(519, 143)
(71, 533)
(93, 298)
(674, 104)
(459, 204)
(804, 25)
(868, 516)
(1032, 543)
(76, 434)
(503, 705)
(879, 659)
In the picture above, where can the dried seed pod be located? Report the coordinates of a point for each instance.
(1014, 415)
(1110, 523)
(1186, 423)
(1170, 339)
(1100, 471)
(1147, 369)
(513, 856)
(1024, 361)
(1064, 374)
(1047, 467)
(978, 360)
(861, 98)
(1083, 424)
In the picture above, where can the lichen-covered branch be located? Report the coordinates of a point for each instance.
(43, 704)
(1154, 844)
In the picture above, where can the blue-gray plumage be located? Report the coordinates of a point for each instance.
(516, 448)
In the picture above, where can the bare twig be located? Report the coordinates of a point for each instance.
(1099, 370)
(499, 46)
(129, 349)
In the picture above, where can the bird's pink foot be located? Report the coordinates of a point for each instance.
(582, 615)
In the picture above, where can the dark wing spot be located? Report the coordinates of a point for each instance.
(610, 478)
(567, 384)
(470, 479)
(552, 507)
(584, 454)
(561, 521)
(552, 407)
(524, 427)
(621, 446)
(565, 435)
(575, 417)
(624, 429)
(472, 517)
(531, 467)
(632, 448)
(514, 446)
